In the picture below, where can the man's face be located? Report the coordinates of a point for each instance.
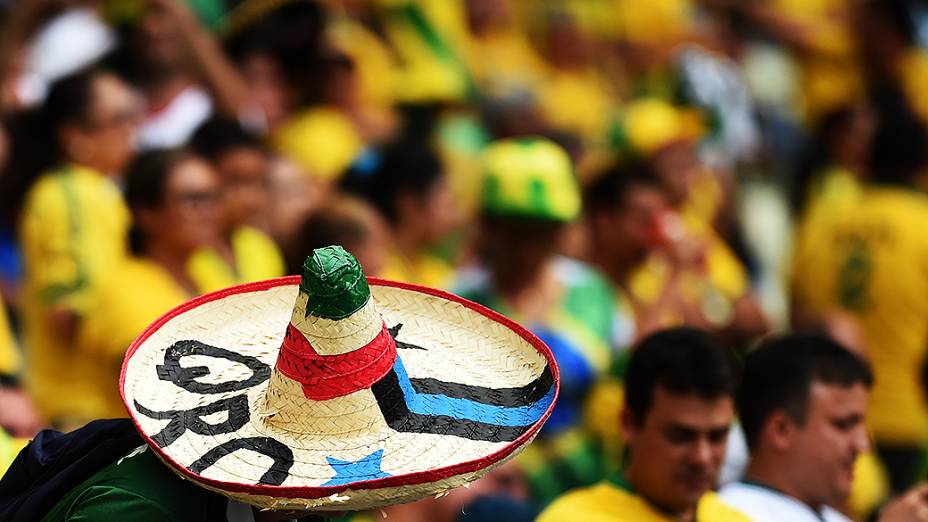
(676, 165)
(678, 448)
(442, 210)
(628, 231)
(823, 450)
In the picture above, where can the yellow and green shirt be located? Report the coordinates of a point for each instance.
(73, 232)
(613, 502)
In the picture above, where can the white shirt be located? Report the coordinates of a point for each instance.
(736, 457)
(763, 504)
(174, 124)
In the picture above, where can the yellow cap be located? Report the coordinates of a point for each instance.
(529, 177)
(650, 124)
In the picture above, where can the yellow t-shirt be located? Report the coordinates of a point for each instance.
(831, 73)
(257, 257)
(429, 40)
(834, 195)
(606, 502)
(10, 360)
(579, 101)
(655, 22)
(322, 140)
(426, 269)
(503, 62)
(131, 298)
(73, 229)
(872, 262)
(375, 65)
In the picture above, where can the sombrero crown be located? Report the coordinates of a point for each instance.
(363, 393)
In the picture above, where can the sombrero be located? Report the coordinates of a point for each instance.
(335, 392)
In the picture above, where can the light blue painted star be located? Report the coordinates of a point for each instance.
(346, 471)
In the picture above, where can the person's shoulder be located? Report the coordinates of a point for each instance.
(715, 508)
(583, 502)
(252, 237)
(578, 274)
(569, 267)
(135, 487)
(830, 514)
(65, 185)
(736, 490)
(47, 189)
(161, 290)
(472, 283)
(113, 503)
(762, 504)
(599, 503)
(737, 493)
(898, 200)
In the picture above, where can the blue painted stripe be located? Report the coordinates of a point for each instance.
(433, 405)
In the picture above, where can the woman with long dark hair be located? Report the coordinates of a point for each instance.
(73, 222)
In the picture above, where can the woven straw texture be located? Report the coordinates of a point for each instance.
(236, 425)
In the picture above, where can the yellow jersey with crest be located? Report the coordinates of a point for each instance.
(871, 260)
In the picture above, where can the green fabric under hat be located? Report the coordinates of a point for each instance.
(529, 177)
(334, 282)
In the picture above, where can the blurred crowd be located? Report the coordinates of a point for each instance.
(598, 170)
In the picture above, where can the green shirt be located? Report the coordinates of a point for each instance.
(138, 487)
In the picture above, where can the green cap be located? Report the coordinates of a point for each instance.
(334, 282)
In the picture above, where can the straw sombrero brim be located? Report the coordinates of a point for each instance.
(469, 389)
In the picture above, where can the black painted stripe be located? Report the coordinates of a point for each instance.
(392, 403)
(400, 345)
(505, 397)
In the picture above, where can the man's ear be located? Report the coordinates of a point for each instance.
(145, 218)
(630, 428)
(779, 430)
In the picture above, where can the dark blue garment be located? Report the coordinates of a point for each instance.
(498, 508)
(11, 263)
(577, 378)
(54, 463)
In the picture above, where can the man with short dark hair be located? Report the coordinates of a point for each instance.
(678, 408)
(669, 266)
(803, 404)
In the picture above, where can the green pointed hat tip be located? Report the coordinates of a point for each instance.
(334, 282)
